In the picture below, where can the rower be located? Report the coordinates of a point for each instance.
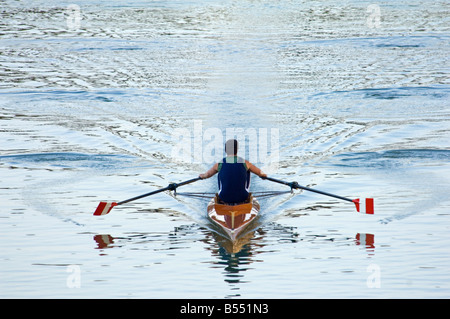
(234, 175)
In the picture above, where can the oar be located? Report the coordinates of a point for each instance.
(368, 209)
(105, 206)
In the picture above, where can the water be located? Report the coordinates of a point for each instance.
(88, 112)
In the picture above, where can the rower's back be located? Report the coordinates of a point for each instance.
(234, 180)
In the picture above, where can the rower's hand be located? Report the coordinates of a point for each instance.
(202, 176)
(263, 175)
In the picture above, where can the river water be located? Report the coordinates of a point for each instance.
(107, 100)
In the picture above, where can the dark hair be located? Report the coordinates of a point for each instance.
(231, 147)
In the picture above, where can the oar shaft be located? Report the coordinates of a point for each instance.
(296, 185)
(186, 182)
(278, 181)
(105, 206)
(325, 193)
(142, 196)
(170, 187)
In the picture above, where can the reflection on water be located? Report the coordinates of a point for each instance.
(367, 241)
(103, 241)
(235, 259)
(234, 264)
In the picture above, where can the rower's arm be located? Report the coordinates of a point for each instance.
(211, 172)
(255, 170)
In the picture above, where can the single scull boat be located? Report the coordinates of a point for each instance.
(233, 219)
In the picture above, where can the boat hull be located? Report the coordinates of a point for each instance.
(233, 219)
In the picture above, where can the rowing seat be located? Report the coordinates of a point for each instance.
(235, 210)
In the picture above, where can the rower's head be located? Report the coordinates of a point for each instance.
(231, 147)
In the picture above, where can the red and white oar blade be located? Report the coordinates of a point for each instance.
(366, 206)
(104, 208)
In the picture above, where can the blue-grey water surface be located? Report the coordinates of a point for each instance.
(92, 91)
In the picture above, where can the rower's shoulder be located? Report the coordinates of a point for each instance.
(248, 164)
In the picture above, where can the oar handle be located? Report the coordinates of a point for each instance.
(171, 187)
(297, 186)
(174, 186)
(279, 181)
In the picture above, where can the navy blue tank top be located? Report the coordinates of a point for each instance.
(234, 180)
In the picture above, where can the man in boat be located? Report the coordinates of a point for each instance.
(234, 175)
